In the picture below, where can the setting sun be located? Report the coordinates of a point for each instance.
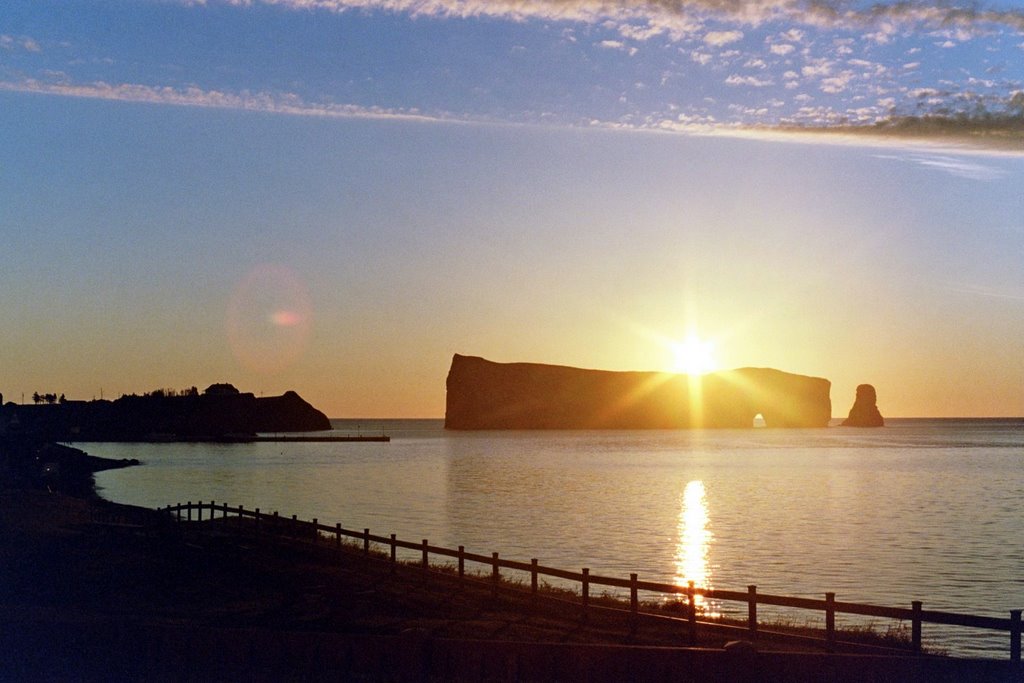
(693, 356)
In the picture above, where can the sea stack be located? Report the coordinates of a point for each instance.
(864, 412)
(483, 394)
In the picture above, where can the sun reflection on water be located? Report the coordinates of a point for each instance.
(694, 543)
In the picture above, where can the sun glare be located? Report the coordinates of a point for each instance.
(693, 356)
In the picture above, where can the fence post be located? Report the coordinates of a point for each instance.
(462, 563)
(915, 627)
(189, 517)
(200, 511)
(394, 554)
(366, 541)
(495, 574)
(533, 576)
(241, 511)
(426, 562)
(1015, 636)
(634, 597)
(830, 618)
(691, 595)
(752, 611)
(585, 580)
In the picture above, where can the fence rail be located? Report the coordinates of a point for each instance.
(916, 615)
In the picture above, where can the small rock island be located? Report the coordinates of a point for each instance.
(221, 412)
(864, 412)
(483, 394)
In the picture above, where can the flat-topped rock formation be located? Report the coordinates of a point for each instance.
(864, 412)
(486, 395)
(219, 411)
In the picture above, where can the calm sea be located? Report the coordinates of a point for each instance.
(926, 510)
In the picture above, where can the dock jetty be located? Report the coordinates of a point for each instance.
(240, 438)
(328, 438)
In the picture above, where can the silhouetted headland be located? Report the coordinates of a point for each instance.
(864, 412)
(486, 395)
(220, 413)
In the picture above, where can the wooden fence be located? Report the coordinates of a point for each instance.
(916, 615)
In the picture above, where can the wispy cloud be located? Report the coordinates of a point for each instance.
(214, 99)
(956, 166)
(752, 81)
(683, 17)
(1011, 294)
(960, 167)
(11, 43)
(995, 133)
(720, 38)
(828, 129)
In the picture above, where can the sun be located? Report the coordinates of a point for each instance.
(693, 356)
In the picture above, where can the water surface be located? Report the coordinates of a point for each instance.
(920, 510)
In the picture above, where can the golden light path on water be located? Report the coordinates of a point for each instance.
(694, 543)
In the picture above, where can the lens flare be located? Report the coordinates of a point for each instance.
(269, 319)
(286, 318)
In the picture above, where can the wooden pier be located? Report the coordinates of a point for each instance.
(316, 439)
(242, 438)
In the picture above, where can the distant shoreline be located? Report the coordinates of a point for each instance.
(372, 422)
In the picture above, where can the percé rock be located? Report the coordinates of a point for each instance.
(216, 413)
(486, 395)
(864, 412)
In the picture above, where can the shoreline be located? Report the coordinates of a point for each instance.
(109, 578)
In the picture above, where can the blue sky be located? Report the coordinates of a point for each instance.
(336, 196)
(677, 65)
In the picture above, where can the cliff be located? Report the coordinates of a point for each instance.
(487, 395)
(864, 412)
(210, 415)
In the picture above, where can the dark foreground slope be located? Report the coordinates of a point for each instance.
(93, 591)
(487, 395)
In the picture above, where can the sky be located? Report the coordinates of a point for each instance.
(335, 196)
